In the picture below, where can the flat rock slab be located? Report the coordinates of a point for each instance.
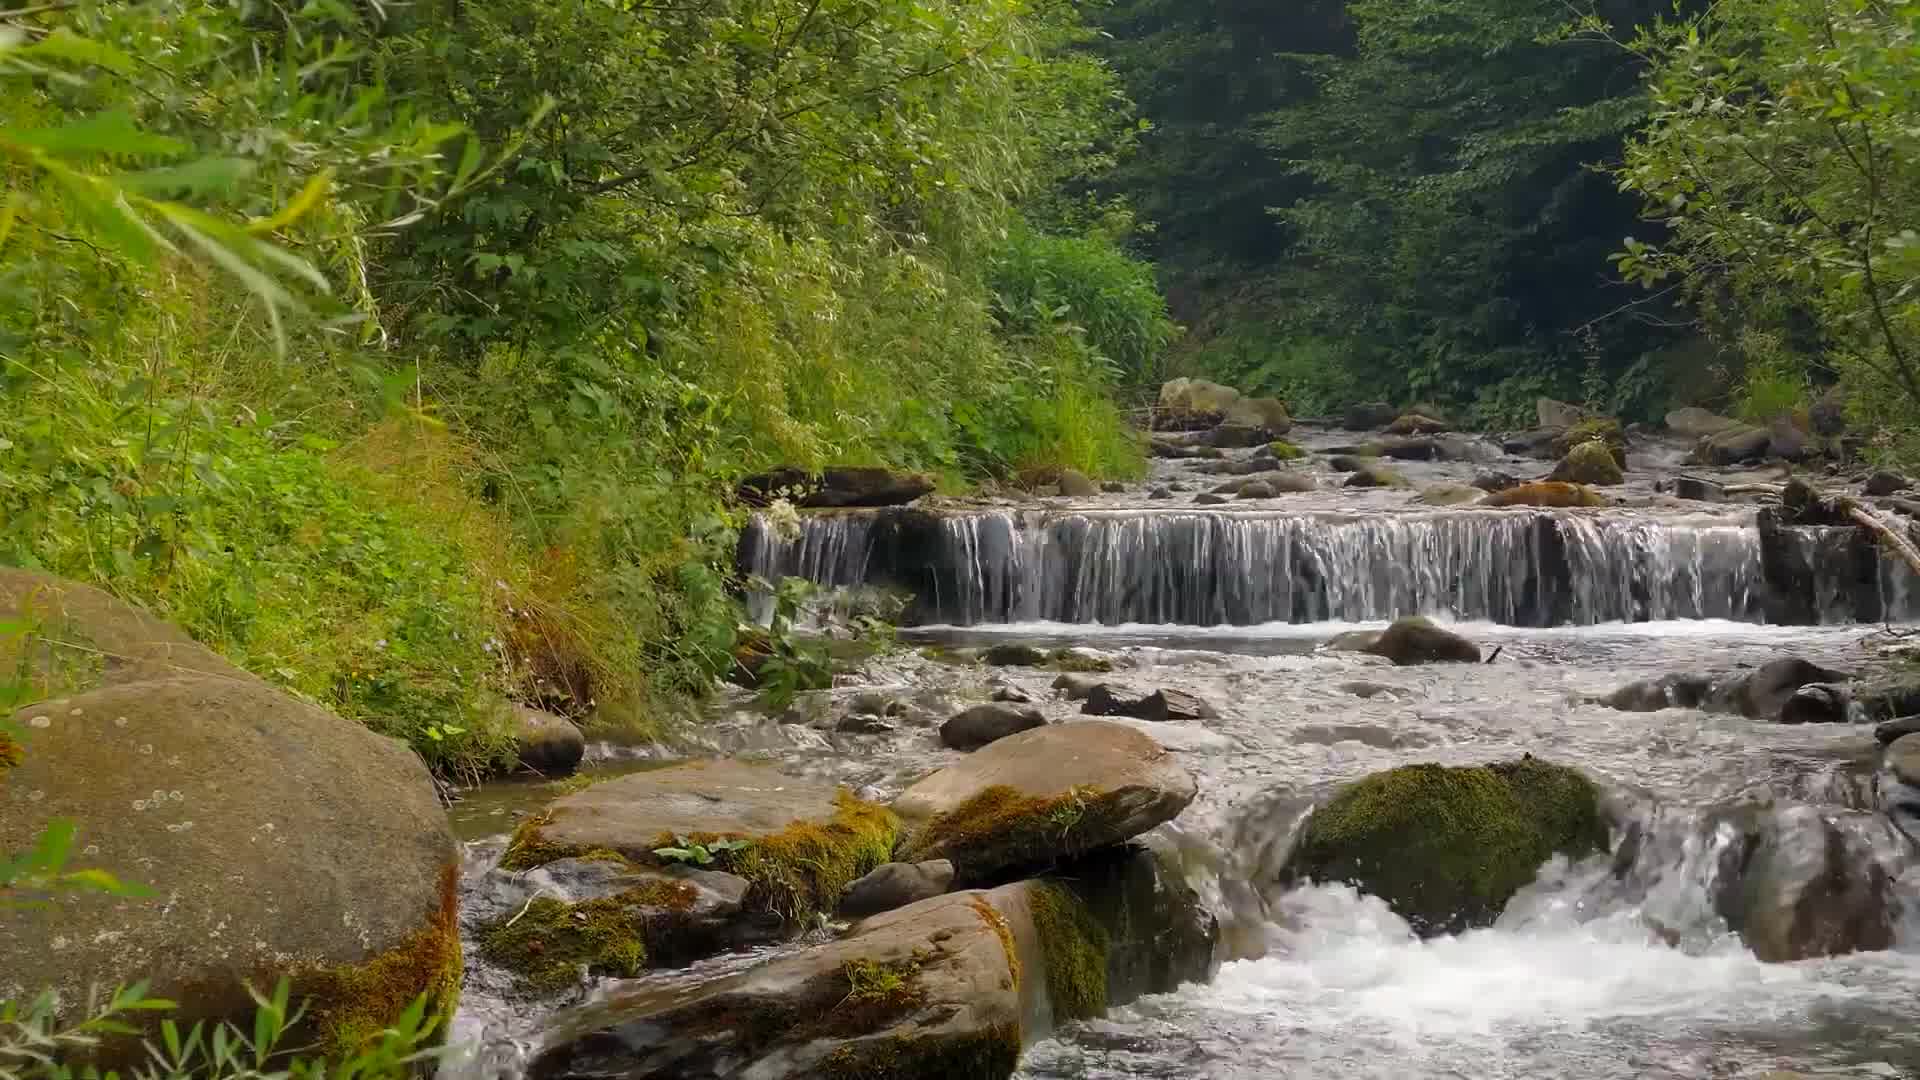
(1044, 795)
(630, 815)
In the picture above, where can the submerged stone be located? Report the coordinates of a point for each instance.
(1106, 699)
(1417, 640)
(973, 728)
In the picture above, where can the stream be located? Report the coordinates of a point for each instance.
(1621, 965)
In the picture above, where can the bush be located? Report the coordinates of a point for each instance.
(1091, 283)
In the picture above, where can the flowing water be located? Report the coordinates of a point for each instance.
(1628, 965)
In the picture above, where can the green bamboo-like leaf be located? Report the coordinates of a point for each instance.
(112, 133)
(201, 178)
(64, 44)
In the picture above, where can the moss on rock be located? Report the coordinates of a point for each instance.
(1070, 662)
(1282, 450)
(1075, 946)
(1602, 430)
(1547, 493)
(986, 1055)
(803, 869)
(1001, 827)
(351, 1004)
(1447, 847)
(548, 942)
(1590, 462)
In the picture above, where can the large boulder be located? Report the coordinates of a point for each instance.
(276, 839)
(1764, 692)
(1786, 442)
(1604, 431)
(952, 986)
(1074, 484)
(1414, 423)
(834, 487)
(1696, 423)
(1734, 446)
(973, 728)
(1237, 436)
(1810, 885)
(1265, 413)
(1376, 476)
(1043, 796)
(1186, 404)
(548, 744)
(1591, 462)
(1415, 639)
(805, 840)
(1446, 848)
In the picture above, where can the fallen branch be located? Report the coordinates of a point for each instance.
(1754, 489)
(1888, 535)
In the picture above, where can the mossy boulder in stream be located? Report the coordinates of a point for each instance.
(1590, 462)
(1546, 493)
(1448, 847)
(277, 839)
(1042, 796)
(805, 840)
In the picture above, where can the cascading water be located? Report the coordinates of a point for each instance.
(1210, 568)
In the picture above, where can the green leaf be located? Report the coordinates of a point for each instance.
(64, 44)
(202, 178)
(112, 132)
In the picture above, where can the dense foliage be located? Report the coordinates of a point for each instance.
(406, 353)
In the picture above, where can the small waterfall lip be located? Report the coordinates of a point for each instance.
(1223, 566)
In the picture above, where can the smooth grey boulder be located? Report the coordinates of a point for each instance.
(1107, 699)
(974, 728)
(546, 743)
(895, 885)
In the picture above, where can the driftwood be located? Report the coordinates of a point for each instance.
(1754, 489)
(1809, 507)
(1888, 535)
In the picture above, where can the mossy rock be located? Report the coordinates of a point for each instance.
(1448, 847)
(806, 840)
(1605, 431)
(1449, 495)
(1415, 423)
(1545, 493)
(1377, 476)
(1590, 462)
(1282, 450)
(1416, 639)
(279, 839)
(1033, 799)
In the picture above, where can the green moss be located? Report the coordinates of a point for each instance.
(1069, 661)
(1075, 946)
(998, 924)
(547, 943)
(529, 847)
(803, 869)
(1606, 431)
(1283, 450)
(352, 1004)
(1001, 827)
(1447, 847)
(992, 1054)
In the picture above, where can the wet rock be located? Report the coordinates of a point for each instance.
(834, 487)
(1449, 495)
(1816, 703)
(1238, 437)
(1888, 695)
(1375, 476)
(1811, 887)
(1191, 404)
(1208, 498)
(1014, 655)
(1884, 482)
(277, 837)
(1107, 699)
(983, 724)
(808, 837)
(1369, 416)
(1350, 463)
(1011, 694)
(1545, 493)
(895, 885)
(1786, 442)
(1888, 730)
(1665, 692)
(1416, 640)
(1495, 481)
(1418, 424)
(1903, 759)
(1734, 446)
(1081, 660)
(1420, 449)
(1446, 848)
(1762, 694)
(1590, 462)
(1273, 482)
(864, 724)
(1004, 806)
(1696, 423)
(1352, 641)
(876, 703)
(1699, 489)
(1264, 413)
(547, 744)
(1255, 489)
(1362, 689)
(1534, 444)
(1114, 487)
(1281, 450)
(1076, 687)
(539, 934)
(1160, 936)
(1905, 507)
(1160, 492)
(1558, 414)
(1074, 484)
(1163, 448)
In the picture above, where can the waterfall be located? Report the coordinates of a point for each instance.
(1209, 568)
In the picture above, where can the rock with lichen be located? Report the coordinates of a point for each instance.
(1446, 847)
(1042, 796)
(799, 841)
(956, 985)
(1590, 462)
(282, 839)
